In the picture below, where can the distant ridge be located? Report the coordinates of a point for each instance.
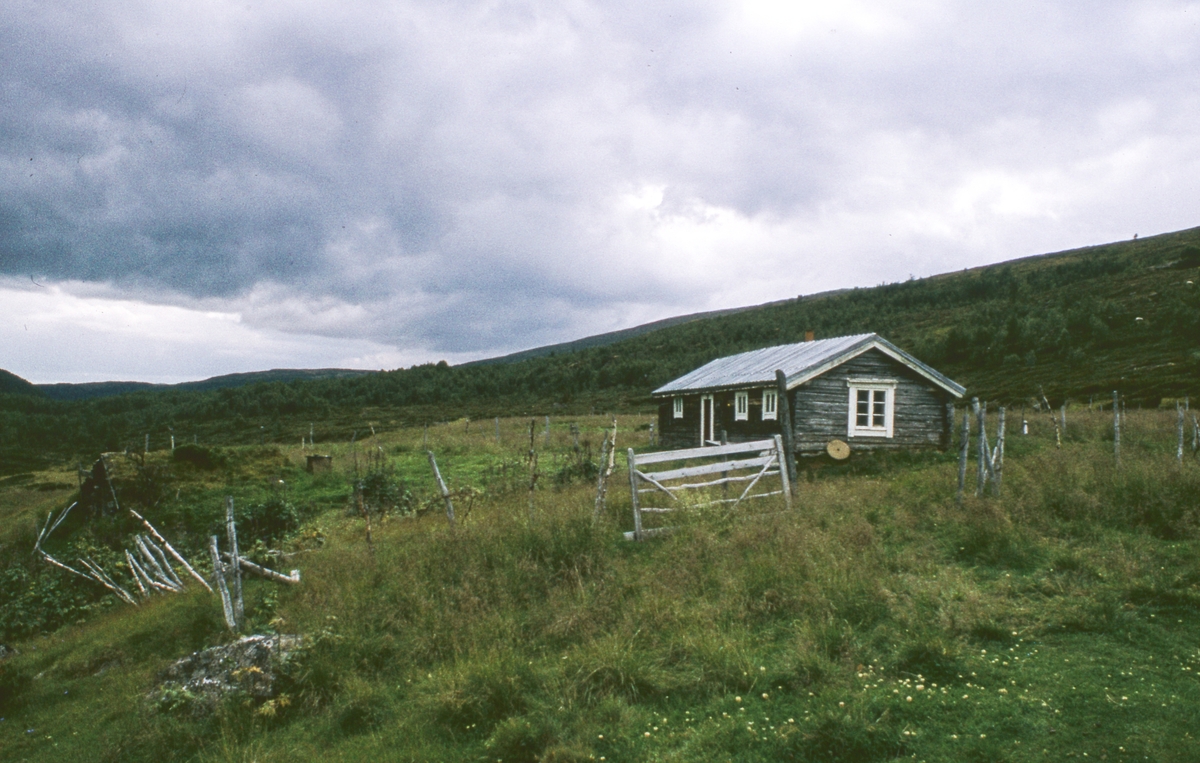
(90, 390)
(11, 384)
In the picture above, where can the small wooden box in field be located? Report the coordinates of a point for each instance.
(318, 464)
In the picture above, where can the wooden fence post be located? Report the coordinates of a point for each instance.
(608, 461)
(601, 477)
(964, 447)
(219, 579)
(231, 530)
(633, 494)
(785, 420)
(981, 448)
(497, 430)
(783, 473)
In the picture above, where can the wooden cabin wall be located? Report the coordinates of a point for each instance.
(820, 407)
(685, 432)
(676, 433)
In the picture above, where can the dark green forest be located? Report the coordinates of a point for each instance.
(1077, 324)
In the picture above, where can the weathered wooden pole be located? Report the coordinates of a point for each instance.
(133, 569)
(998, 454)
(497, 430)
(964, 447)
(437, 475)
(633, 494)
(786, 424)
(239, 610)
(600, 478)
(783, 474)
(607, 464)
(174, 554)
(1116, 428)
(219, 579)
(981, 448)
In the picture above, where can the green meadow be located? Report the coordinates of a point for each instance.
(877, 621)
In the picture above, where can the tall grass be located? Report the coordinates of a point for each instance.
(866, 624)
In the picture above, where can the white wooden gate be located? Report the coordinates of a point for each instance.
(767, 461)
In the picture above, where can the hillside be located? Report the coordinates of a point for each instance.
(1123, 316)
(611, 337)
(89, 390)
(11, 384)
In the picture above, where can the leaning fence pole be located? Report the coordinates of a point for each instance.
(437, 475)
(219, 579)
(633, 494)
(964, 447)
(175, 554)
(1116, 429)
(239, 608)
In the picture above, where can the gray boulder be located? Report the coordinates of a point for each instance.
(248, 667)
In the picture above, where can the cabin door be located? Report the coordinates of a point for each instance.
(707, 411)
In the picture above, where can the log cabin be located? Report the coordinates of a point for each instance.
(861, 390)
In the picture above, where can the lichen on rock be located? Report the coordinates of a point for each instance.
(248, 667)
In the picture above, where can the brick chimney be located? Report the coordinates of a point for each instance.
(809, 336)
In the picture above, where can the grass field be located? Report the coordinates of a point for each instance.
(877, 621)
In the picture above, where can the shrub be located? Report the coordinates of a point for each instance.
(197, 456)
(268, 521)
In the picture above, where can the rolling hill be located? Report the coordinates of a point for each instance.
(1078, 324)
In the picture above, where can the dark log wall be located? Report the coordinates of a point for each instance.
(676, 433)
(820, 407)
(685, 432)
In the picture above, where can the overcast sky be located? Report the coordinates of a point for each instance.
(189, 189)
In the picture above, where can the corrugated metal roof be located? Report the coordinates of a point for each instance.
(757, 367)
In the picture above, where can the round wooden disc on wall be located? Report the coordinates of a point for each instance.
(837, 450)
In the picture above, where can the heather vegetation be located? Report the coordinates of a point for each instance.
(877, 621)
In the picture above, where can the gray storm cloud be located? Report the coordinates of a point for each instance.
(476, 177)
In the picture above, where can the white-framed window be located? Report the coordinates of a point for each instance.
(770, 405)
(741, 406)
(872, 406)
(677, 403)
